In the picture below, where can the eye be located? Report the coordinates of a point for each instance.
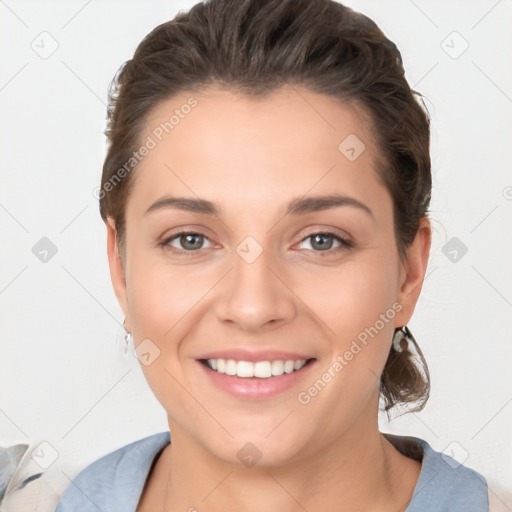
(188, 241)
(192, 241)
(323, 242)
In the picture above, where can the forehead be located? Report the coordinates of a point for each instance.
(292, 118)
(225, 145)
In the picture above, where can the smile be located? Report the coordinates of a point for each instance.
(259, 369)
(256, 376)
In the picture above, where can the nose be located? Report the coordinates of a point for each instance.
(254, 294)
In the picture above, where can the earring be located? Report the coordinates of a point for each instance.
(127, 340)
(401, 339)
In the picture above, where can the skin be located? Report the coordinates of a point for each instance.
(252, 157)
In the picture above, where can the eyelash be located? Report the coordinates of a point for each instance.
(345, 243)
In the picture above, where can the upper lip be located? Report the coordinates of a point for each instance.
(239, 354)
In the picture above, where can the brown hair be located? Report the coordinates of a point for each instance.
(254, 47)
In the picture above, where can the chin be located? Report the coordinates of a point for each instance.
(259, 453)
(268, 447)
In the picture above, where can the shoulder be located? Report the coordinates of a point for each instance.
(115, 481)
(444, 485)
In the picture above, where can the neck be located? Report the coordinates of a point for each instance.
(359, 470)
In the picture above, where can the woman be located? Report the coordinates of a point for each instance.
(266, 195)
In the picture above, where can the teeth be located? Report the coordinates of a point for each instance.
(298, 365)
(277, 367)
(230, 367)
(261, 369)
(288, 366)
(244, 369)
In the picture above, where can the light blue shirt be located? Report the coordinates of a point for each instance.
(114, 483)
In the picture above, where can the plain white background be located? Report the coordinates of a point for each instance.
(64, 379)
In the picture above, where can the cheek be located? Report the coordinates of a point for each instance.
(352, 297)
(161, 296)
(357, 304)
(163, 303)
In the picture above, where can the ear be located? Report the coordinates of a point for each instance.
(116, 269)
(413, 272)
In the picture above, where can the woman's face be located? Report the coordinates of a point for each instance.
(292, 257)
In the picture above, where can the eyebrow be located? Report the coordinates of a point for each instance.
(298, 206)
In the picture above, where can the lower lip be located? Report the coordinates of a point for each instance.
(254, 387)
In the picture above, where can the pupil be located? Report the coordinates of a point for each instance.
(187, 238)
(322, 245)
